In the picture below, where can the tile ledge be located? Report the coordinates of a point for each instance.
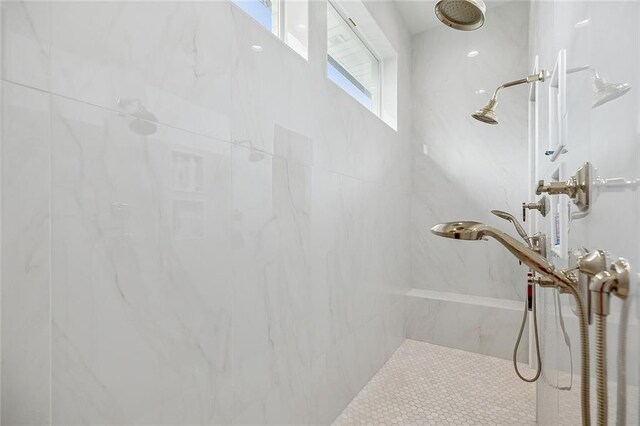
(465, 298)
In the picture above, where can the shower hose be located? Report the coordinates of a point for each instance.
(584, 351)
(621, 414)
(601, 368)
(539, 371)
(535, 334)
(584, 356)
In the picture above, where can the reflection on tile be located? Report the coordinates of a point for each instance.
(190, 285)
(188, 171)
(188, 219)
(141, 325)
(175, 57)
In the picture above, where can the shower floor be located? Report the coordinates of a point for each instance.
(424, 384)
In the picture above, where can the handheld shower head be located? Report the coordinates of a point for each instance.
(519, 229)
(465, 15)
(468, 230)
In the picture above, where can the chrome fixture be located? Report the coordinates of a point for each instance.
(519, 229)
(592, 275)
(144, 122)
(465, 15)
(590, 264)
(539, 243)
(603, 92)
(542, 206)
(469, 230)
(566, 281)
(614, 281)
(487, 114)
(578, 187)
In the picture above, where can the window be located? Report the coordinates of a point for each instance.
(350, 62)
(287, 19)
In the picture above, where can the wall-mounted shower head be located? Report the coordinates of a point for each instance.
(487, 114)
(144, 122)
(605, 92)
(465, 15)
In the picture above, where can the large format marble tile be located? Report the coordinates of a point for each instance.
(476, 324)
(195, 280)
(463, 169)
(141, 294)
(271, 269)
(26, 255)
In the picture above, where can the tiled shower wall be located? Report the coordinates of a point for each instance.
(604, 35)
(241, 264)
(465, 292)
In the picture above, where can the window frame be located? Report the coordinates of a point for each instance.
(279, 23)
(376, 102)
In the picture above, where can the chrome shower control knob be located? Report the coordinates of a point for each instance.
(542, 206)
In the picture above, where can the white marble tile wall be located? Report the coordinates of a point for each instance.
(475, 324)
(604, 35)
(463, 169)
(469, 168)
(244, 263)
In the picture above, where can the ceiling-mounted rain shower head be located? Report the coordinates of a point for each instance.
(465, 15)
(487, 114)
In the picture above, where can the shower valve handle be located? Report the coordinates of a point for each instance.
(542, 206)
(577, 187)
(556, 188)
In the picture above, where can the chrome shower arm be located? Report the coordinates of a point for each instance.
(540, 76)
(487, 114)
(584, 68)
